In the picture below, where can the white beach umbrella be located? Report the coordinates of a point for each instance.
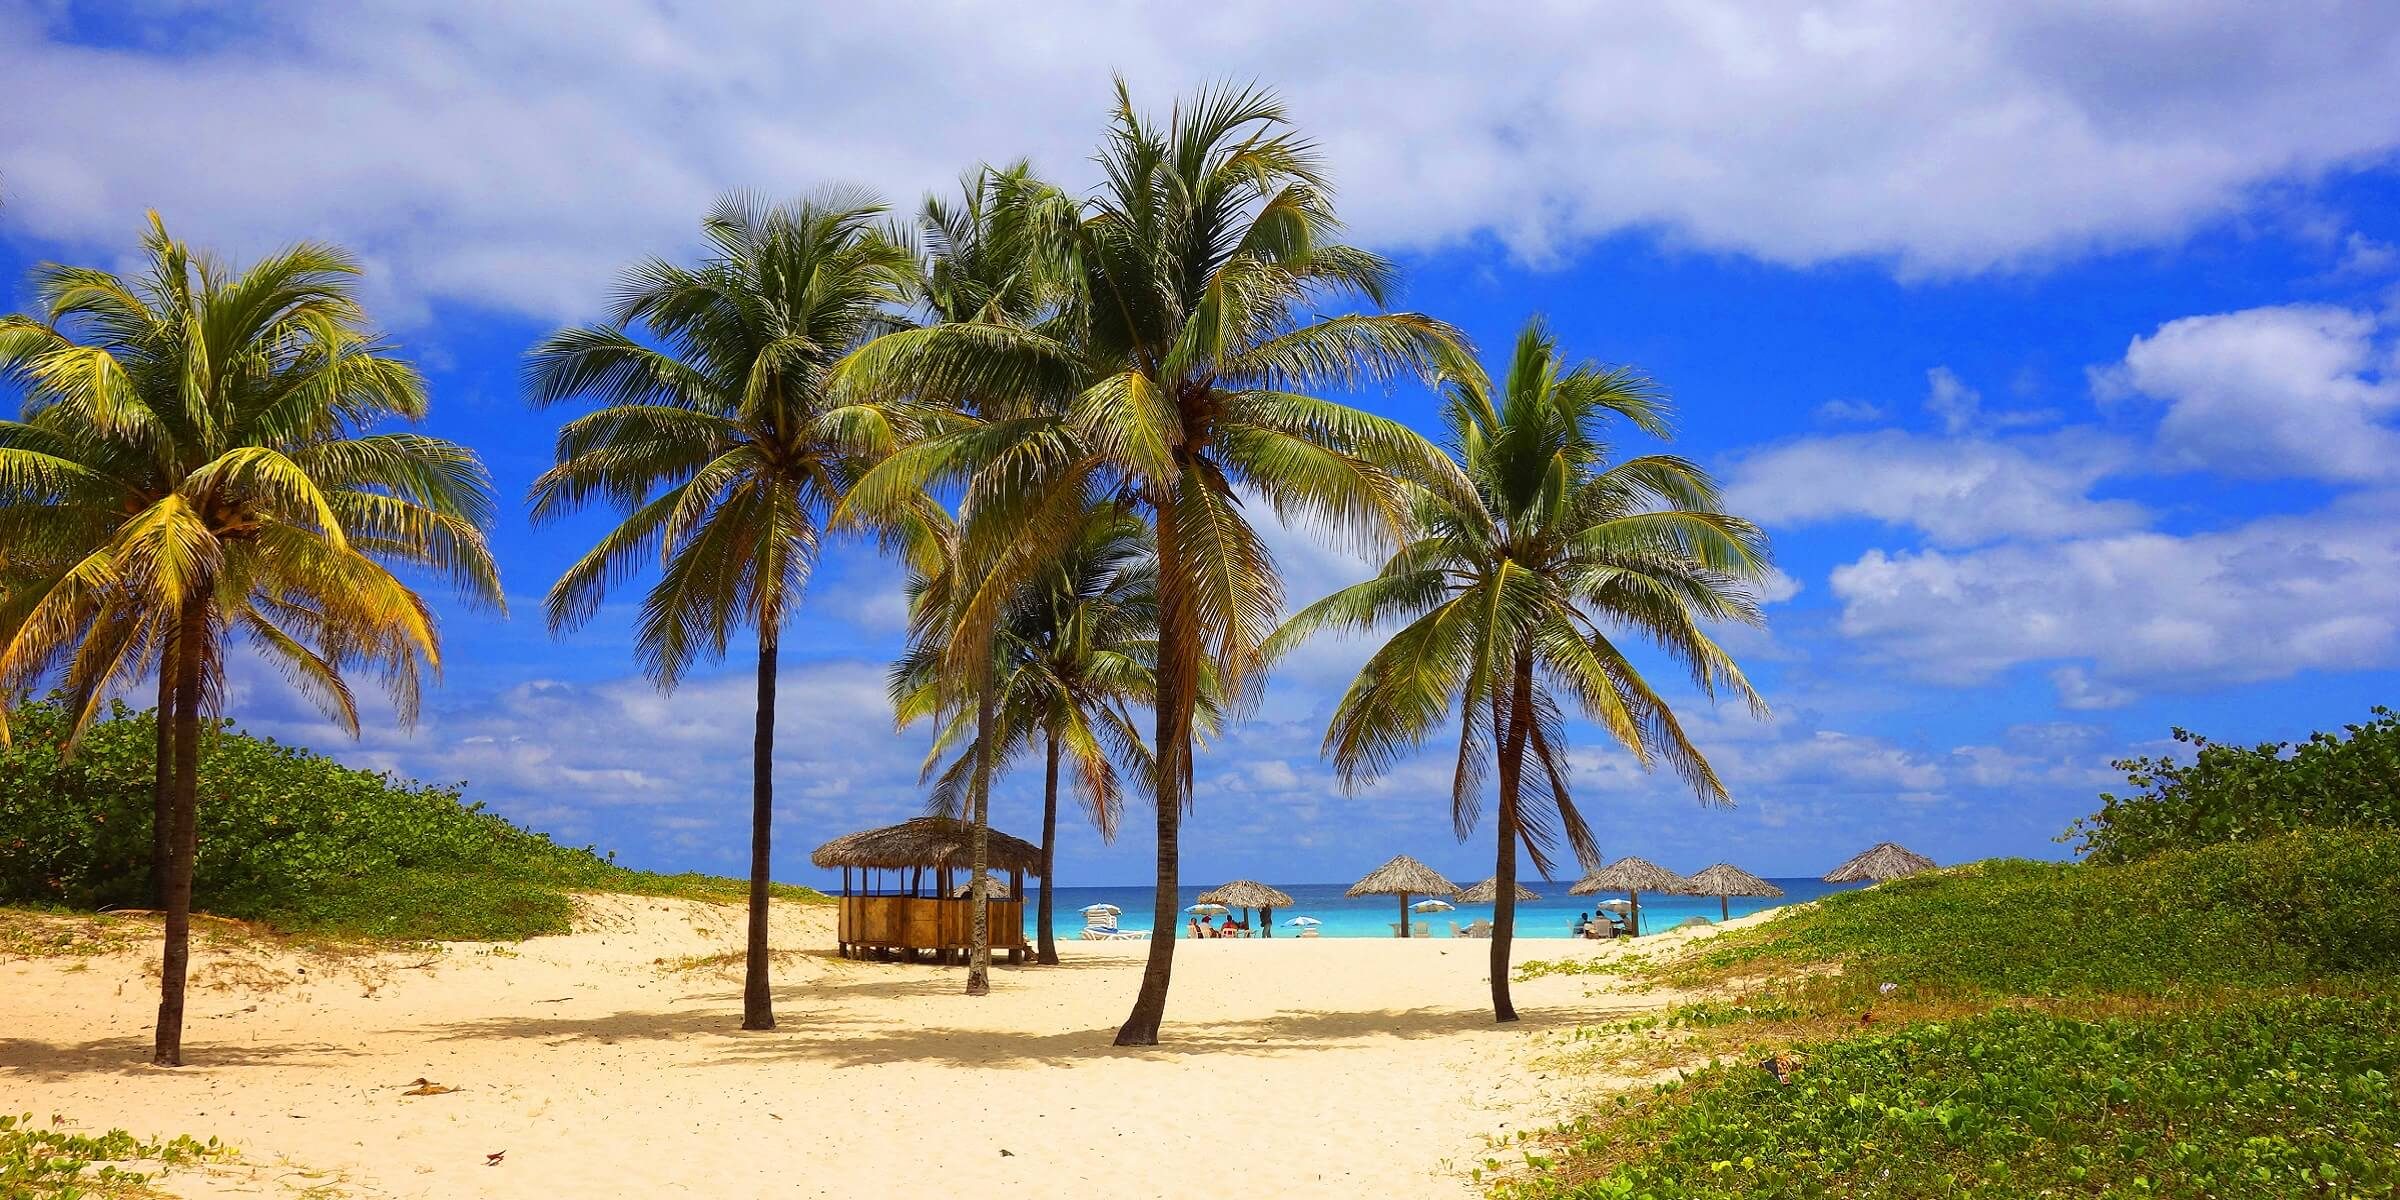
(1304, 921)
(1208, 910)
(1110, 909)
(1432, 906)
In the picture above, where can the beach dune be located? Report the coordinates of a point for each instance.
(608, 1062)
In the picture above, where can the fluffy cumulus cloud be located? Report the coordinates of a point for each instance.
(2295, 390)
(2258, 600)
(514, 155)
(1955, 490)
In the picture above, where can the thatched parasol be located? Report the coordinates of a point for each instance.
(1725, 880)
(1888, 860)
(1247, 894)
(1403, 877)
(1489, 891)
(1632, 876)
(939, 843)
(994, 888)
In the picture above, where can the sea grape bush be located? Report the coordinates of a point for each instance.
(2349, 780)
(2291, 1096)
(286, 836)
(2287, 909)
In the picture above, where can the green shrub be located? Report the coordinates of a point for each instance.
(291, 838)
(2231, 794)
(2290, 1097)
(2287, 909)
(48, 1164)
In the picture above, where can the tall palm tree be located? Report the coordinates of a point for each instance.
(1179, 370)
(195, 461)
(1519, 590)
(717, 440)
(1073, 656)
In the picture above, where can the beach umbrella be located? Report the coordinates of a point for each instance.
(1726, 880)
(1887, 860)
(1247, 894)
(1110, 909)
(1403, 877)
(1432, 906)
(1208, 910)
(1613, 906)
(1304, 921)
(1489, 891)
(994, 888)
(1632, 876)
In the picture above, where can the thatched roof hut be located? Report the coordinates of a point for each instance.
(1888, 860)
(927, 842)
(1726, 880)
(1247, 894)
(1632, 876)
(1489, 891)
(1403, 877)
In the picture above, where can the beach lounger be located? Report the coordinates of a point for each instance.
(1424, 929)
(1309, 932)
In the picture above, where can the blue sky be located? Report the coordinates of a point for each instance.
(2059, 352)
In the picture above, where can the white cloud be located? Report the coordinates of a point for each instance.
(516, 155)
(1961, 407)
(2297, 390)
(2262, 600)
(1957, 491)
(1852, 412)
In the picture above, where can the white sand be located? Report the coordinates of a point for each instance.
(1291, 1067)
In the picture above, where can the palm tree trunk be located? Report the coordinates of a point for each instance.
(1178, 661)
(1046, 952)
(758, 1001)
(183, 842)
(162, 781)
(979, 840)
(1512, 779)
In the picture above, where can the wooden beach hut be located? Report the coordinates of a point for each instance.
(1885, 860)
(1247, 894)
(1632, 876)
(904, 890)
(1724, 881)
(1403, 877)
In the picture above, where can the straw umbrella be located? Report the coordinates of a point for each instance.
(1888, 860)
(1489, 890)
(1724, 881)
(1247, 894)
(1403, 877)
(1632, 876)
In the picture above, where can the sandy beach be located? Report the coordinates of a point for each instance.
(606, 1063)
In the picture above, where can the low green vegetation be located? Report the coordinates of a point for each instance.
(2292, 1097)
(294, 840)
(2286, 910)
(2349, 780)
(2219, 1021)
(48, 1164)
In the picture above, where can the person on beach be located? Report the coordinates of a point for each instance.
(1583, 926)
(1226, 930)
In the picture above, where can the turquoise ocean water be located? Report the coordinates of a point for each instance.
(1372, 916)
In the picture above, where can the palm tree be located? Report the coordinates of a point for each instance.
(717, 440)
(1517, 591)
(194, 462)
(1178, 373)
(1073, 656)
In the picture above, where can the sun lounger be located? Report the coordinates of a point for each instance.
(1309, 932)
(1424, 929)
